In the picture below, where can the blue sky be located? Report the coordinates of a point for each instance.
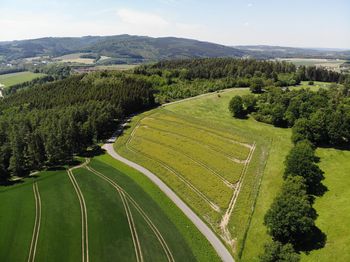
(307, 23)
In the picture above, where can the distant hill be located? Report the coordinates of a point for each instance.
(139, 48)
(265, 51)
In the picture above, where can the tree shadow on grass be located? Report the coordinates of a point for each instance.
(316, 239)
(55, 168)
(92, 152)
(344, 147)
(11, 182)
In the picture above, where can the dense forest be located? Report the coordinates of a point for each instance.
(46, 125)
(178, 79)
(322, 117)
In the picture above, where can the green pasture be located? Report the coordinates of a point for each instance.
(205, 125)
(108, 228)
(17, 78)
(333, 207)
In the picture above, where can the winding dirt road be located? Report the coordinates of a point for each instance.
(202, 227)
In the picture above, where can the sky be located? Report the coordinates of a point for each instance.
(299, 23)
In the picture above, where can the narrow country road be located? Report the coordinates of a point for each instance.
(202, 227)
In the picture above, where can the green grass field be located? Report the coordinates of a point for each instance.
(333, 207)
(317, 85)
(160, 232)
(75, 58)
(331, 64)
(183, 139)
(17, 78)
(276, 144)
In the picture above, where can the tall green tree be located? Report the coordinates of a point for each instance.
(291, 216)
(275, 251)
(236, 107)
(302, 161)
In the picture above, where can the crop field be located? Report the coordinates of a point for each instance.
(272, 145)
(96, 211)
(75, 58)
(331, 64)
(317, 85)
(211, 160)
(165, 137)
(17, 78)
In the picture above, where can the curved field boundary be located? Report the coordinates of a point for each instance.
(155, 230)
(198, 162)
(36, 229)
(84, 222)
(227, 215)
(201, 226)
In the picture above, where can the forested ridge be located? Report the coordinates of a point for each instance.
(46, 125)
(178, 79)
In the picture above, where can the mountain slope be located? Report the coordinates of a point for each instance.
(265, 51)
(121, 46)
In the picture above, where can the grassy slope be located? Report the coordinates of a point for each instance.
(333, 207)
(109, 234)
(171, 219)
(213, 109)
(17, 212)
(60, 233)
(17, 78)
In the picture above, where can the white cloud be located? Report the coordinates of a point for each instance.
(133, 17)
(151, 24)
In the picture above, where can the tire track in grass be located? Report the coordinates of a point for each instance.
(84, 223)
(200, 143)
(214, 240)
(214, 206)
(155, 230)
(36, 230)
(226, 217)
(132, 226)
(199, 127)
(198, 162)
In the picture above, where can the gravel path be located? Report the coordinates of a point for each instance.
(202, 227)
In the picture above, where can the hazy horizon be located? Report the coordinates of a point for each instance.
(231, 23)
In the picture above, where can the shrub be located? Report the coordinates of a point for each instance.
(277, 252)
(236, 106)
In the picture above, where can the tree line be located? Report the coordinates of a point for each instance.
(291, 218)
(317, 118)
(178, 79)
(46, 125)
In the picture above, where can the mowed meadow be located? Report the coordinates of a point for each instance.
(216, 163)
(160, 140)
(101, 210)
(333, 207)
(17, 78)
